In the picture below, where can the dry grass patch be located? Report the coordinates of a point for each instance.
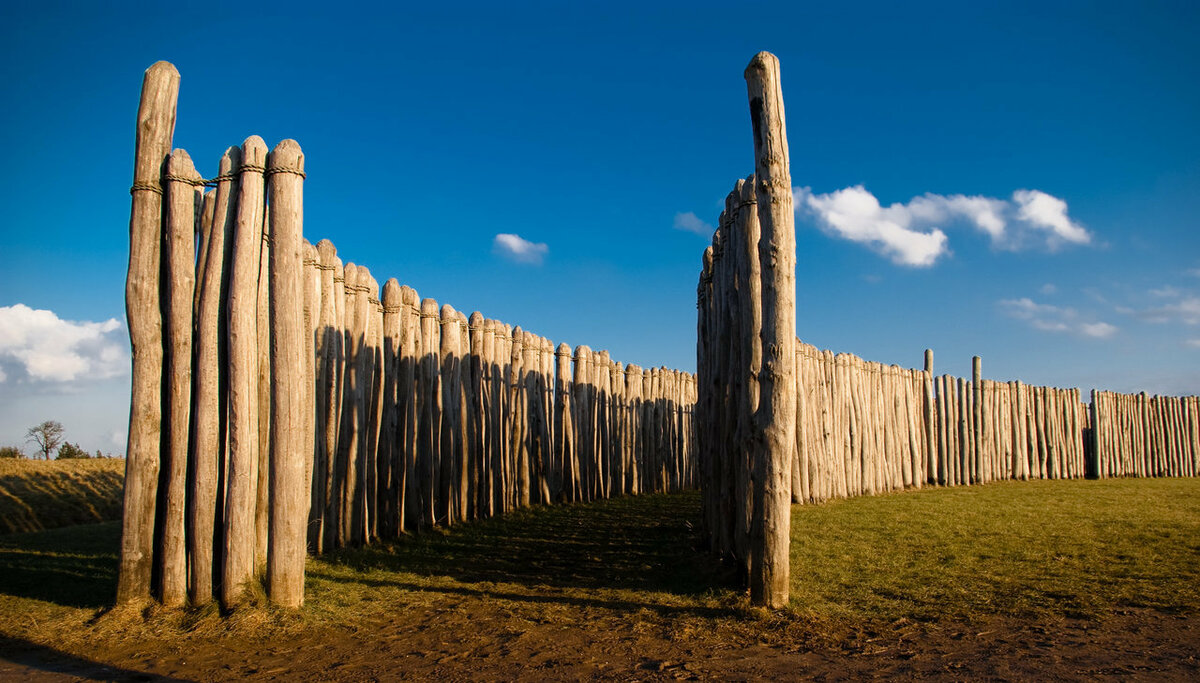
(45, 494)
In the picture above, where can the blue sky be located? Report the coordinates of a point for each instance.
(1004, 179)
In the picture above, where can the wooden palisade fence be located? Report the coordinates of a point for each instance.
(281, 405)
(858, 427)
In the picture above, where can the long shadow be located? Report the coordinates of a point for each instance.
(646, 543)
(546, 598)
(71, 566)
(51, 660)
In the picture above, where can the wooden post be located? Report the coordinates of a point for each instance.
(155, 128)
(242, 474)
(450, 445)
(289, 496)
(210, 378)
(263, 489)
(391, 461)
(430, 434)
(477, 454)
(410, 350)
(328, 385)
(179, 259)
(777, 382)
(314, 442)
(980, 466)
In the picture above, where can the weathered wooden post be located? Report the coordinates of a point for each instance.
(978, 467)
(210, 379)
(314, 442)
(328, 384)
(155, 128)
(777, 381)
(262, 504)
(475, 370)
(242, 474)
(179, 259)
(289, 498)
(410, 358)
(429, 434)
(390, 460)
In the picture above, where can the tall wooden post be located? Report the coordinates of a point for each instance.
(210, 378)
(978, 468)
(289, 498)
(769, 574)
(179, 259)
(155, 128)
(241, 477)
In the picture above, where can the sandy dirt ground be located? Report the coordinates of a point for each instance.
(477, 637)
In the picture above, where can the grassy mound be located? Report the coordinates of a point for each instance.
(45, 494)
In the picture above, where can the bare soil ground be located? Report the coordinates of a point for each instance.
(474, 637)
(607, 591)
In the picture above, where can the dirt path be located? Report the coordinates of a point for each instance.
(480, 637)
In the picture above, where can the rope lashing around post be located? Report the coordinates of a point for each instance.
(155, 186)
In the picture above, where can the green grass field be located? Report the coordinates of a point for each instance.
(1022, 549)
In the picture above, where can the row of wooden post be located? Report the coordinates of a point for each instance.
(1135, 435)
(281, 405)
(867, 428)
(427, 417)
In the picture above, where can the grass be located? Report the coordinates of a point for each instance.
(45, 494)
(1022, 549)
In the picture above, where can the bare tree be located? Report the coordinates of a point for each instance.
(48, 435)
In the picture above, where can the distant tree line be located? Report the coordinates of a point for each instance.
(49, 437)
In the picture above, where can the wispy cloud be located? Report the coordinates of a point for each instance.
(1048, 318)
(519, 250)
(1170, 305)
(692, 223)
(911, 234)
(1048, 288)
(1194, 343)
(38, 346)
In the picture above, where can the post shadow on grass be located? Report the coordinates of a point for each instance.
(73, 566)
(50, 660)
(645, 543)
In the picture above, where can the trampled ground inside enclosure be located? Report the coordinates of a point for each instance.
(1069, 579)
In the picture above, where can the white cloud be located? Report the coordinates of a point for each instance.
(1194, 343)
(1165, 292)
(1048, 288)
(911, 233)
(519, 250)
(855, 214)
(1046, 212)
(692, 223)
(36, 345)
(1099, 330)
(1048, 318)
